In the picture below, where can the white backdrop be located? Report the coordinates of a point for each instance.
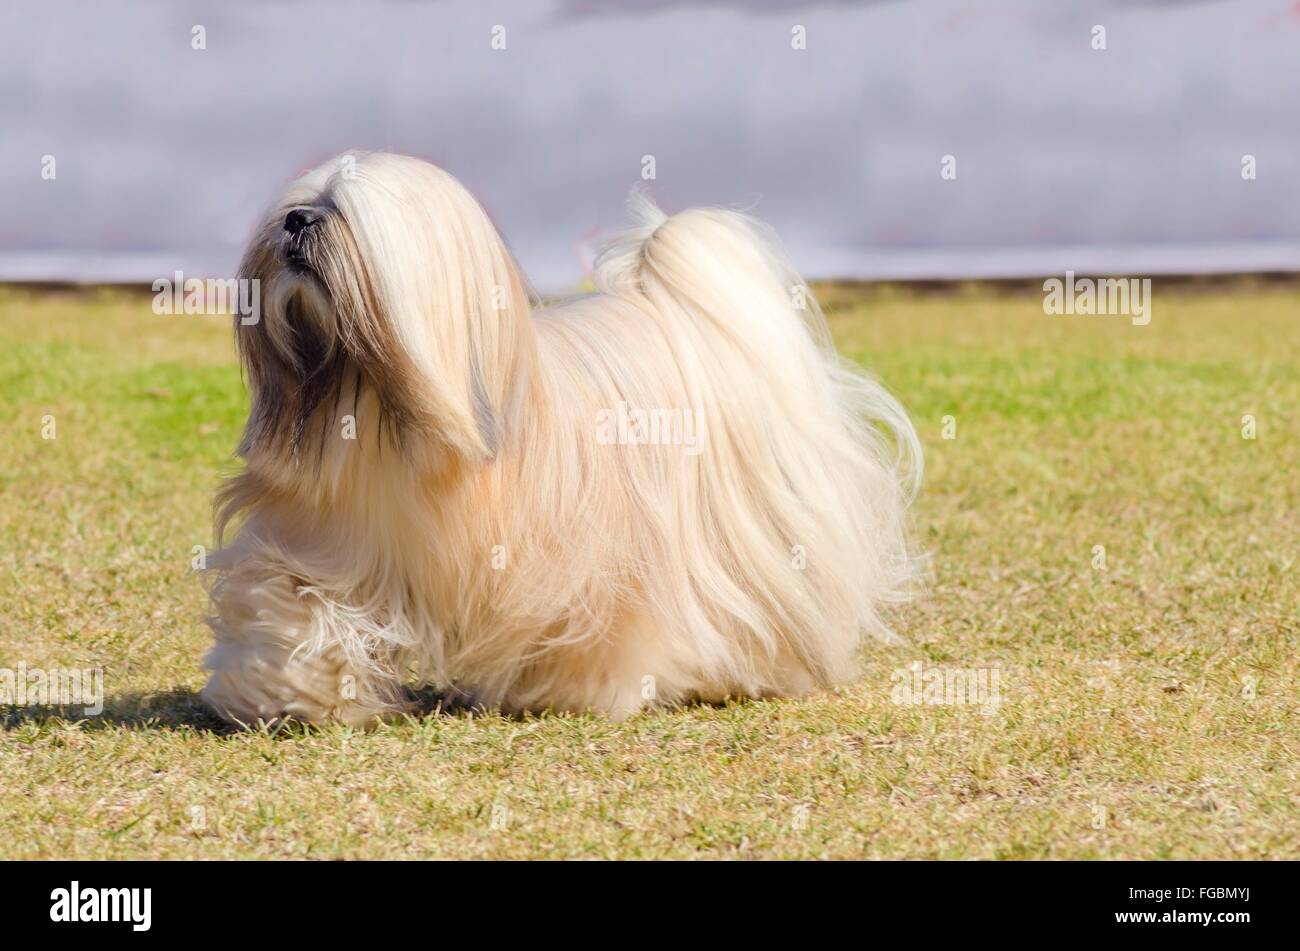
(1067, 157)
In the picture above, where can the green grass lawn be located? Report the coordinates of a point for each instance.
(1148, 709)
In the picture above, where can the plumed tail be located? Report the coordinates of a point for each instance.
(809, 463)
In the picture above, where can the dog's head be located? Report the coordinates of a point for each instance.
(384, 287)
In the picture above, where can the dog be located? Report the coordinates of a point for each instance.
(669, 491)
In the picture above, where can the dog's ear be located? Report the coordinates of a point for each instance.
(447, 293)
(480, 327)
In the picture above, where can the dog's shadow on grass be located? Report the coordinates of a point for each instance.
(175, 709)
(180, 708)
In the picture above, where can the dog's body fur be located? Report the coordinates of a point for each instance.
(479, 532)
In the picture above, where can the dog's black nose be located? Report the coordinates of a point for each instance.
(300, 218)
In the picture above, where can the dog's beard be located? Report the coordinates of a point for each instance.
(323, 345)
(320, 367)
(295, 363)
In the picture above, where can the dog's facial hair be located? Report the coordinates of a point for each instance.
(324, 334)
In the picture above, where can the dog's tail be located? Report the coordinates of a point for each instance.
(808, 462)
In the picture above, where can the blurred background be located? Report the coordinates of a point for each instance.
(1127, 159)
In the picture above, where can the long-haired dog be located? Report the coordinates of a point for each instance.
(666, 491)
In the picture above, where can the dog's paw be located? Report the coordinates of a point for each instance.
(269, 683)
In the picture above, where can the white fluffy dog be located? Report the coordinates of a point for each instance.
(670, 490)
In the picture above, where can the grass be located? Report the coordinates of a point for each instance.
(1148, 710)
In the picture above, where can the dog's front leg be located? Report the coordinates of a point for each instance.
(269, 662)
